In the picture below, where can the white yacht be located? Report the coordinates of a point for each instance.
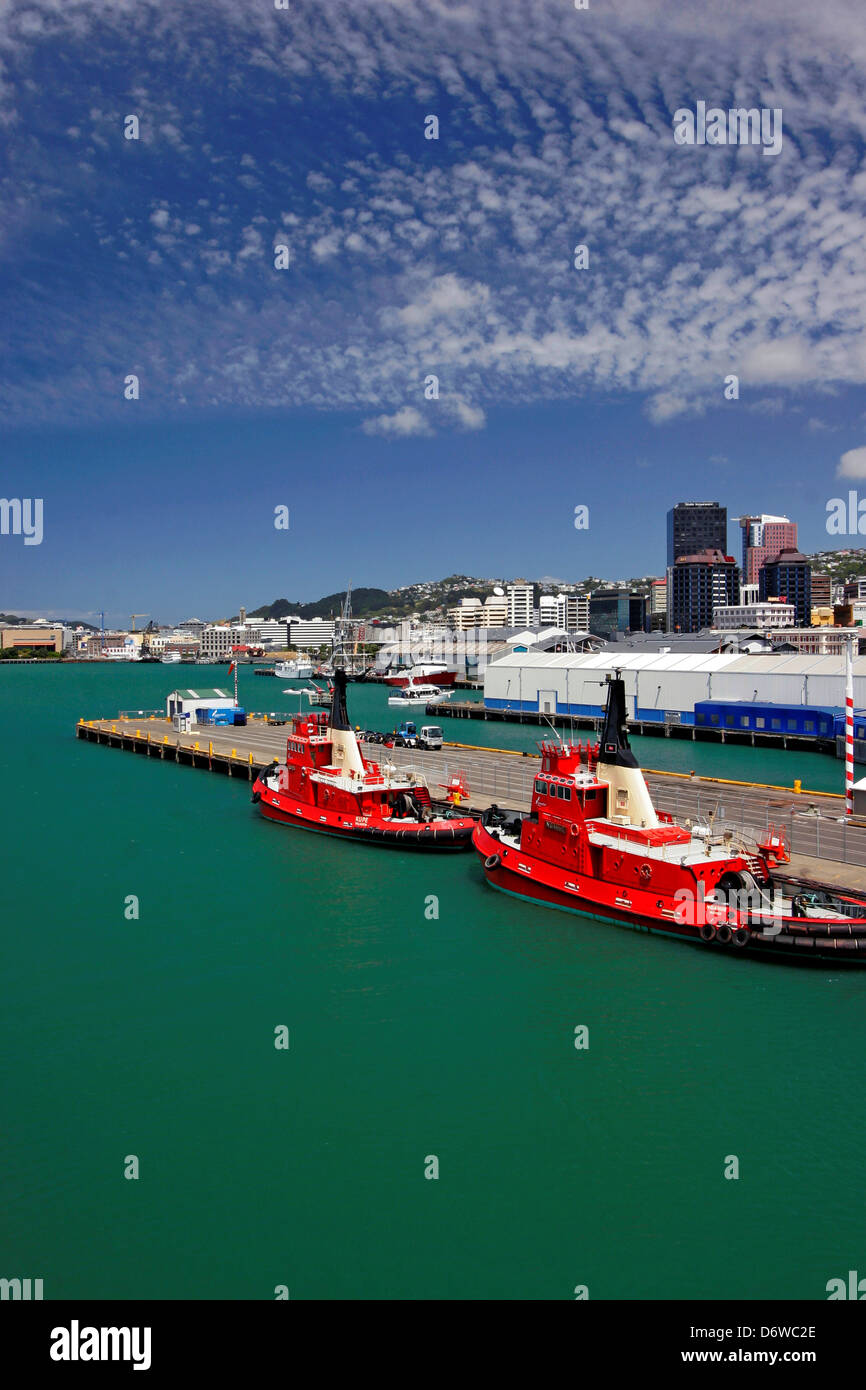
(413, 694)
(298, 670)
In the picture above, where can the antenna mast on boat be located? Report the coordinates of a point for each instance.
(342, 630)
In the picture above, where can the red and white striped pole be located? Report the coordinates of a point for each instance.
(849, 726)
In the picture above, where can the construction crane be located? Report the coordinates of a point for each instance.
(133, 616)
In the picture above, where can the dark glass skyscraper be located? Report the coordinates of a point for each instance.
(616, 610)
(789, 577)
(696, 526)
(698, 584)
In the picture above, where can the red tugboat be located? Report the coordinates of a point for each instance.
(593, 843)
(326, 784)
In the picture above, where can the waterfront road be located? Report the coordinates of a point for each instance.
(813, 822)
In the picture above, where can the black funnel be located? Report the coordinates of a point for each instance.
(614, 747)
(339, 714)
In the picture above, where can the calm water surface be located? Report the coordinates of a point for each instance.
(409, 1037)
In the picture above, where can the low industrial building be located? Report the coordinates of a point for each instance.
(774, 613)
(665, 686)
(184, 706)
(45, 636)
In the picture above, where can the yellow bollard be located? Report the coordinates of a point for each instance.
(210, 747)
(234, 752)
(165, 738)
(195, 746)
(798, 786)
(251, 759)
(266, 719)
(138, 733)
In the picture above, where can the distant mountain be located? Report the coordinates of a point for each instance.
(365, 602)
(13, 620)
(427, 596)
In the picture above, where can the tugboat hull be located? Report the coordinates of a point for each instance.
(438, 834)
(521, 875)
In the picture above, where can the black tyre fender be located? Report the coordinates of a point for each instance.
(707, 931)
(256, 798)
(742, 936)
(492, 862)
(724, 934)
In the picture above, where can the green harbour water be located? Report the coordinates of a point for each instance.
(409, 1037)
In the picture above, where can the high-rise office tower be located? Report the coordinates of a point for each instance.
(696, 526)
(764, 537)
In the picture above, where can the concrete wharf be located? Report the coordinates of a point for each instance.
(824, 844)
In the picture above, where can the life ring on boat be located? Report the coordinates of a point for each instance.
(742, 936)
(707, 931)
(723, 933)
(492, 861)
(645, 873)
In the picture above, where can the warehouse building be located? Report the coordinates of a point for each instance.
(665, 686)
(39, 634)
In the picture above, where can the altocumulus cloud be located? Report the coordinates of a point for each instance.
(400, 425)
(852, 464)
(409, 257)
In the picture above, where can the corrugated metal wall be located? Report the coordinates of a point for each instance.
(659, 683)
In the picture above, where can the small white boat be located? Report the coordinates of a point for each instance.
(169, 658)
(419, 695)
(298, 670)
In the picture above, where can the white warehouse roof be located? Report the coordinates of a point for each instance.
(660, 683)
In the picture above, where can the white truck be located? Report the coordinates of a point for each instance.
(410, 736)
(430, 736)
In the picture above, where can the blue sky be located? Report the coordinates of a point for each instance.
(409, 257)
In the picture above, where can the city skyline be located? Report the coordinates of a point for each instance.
(177, 611)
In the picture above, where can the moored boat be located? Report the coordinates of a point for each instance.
(295, 669)
(593, 843)
(412, 694)
(326, 784)
(429, 673)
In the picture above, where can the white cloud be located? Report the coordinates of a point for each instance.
(852, 464)
(666, 405)
(401, 425)
(444, 296)
(702, 261)
(471, 417)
